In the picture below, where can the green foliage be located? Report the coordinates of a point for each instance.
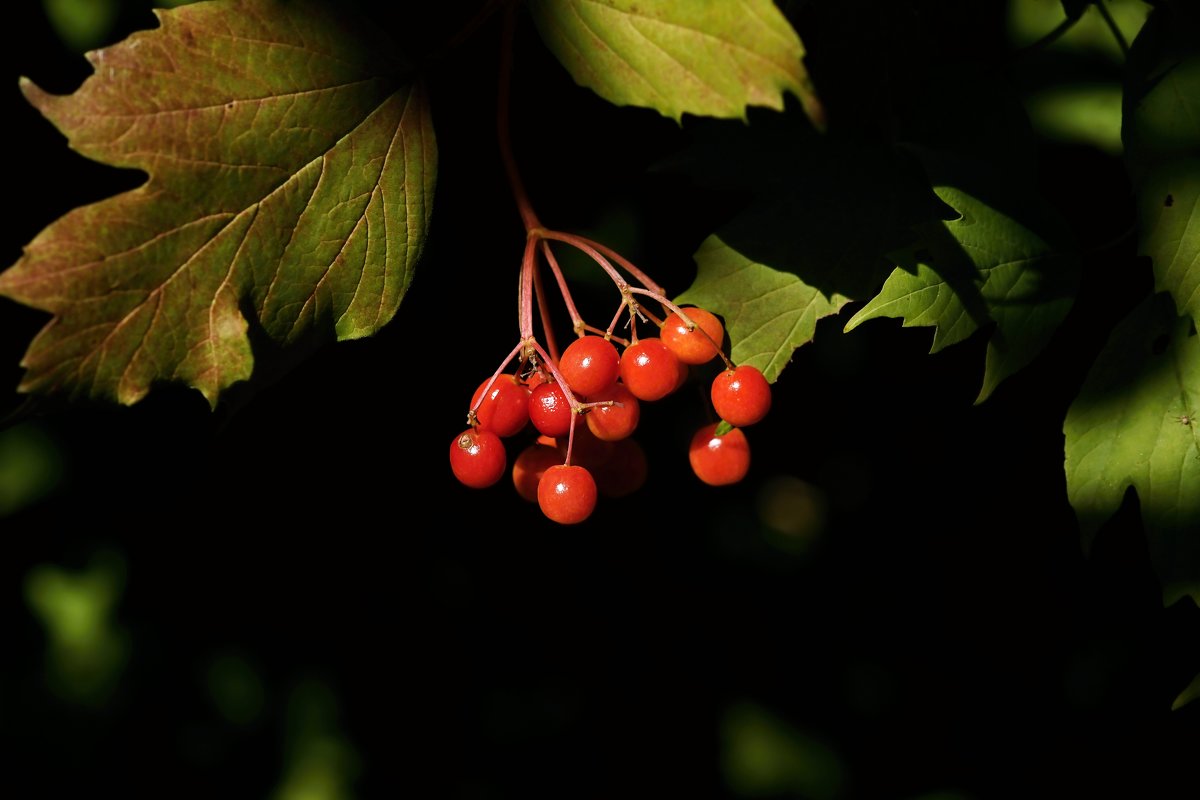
(983, 267)
(294, 180)
(690, 57)
(768, 313)
(1162, 147)
(1133, 424)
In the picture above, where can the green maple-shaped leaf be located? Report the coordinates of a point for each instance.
(768, 313)
(1161, 133)
(984, 267)
(291, 164)
(1134, 424)
(680, 56)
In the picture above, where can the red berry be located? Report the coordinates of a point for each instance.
(529, 467)
(719, 460)
(649, 369)
(567, 494)
(549, 410)
(587, 450)
(741, 396)
(624, 471)
(590, 365)
(614, 422)
(477, 458)
(697, 346)
(505, 410)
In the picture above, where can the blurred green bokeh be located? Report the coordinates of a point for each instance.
(85, 649)
(764, 756)
(793, 513)
(319, 763)
(1030, 20)
(236, 689)
(1082, 114)
(1083, 105)
(30, 467)
(83, 25)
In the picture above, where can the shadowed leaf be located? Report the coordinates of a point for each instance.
(677, 57)
(291, 165)
(984, 267)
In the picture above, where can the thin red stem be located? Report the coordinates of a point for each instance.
(577, 323)
(528, 217)
(625, 263)
(544, 311)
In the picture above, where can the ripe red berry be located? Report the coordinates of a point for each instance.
(624, 471)
(549, 410)
(567, 494)
(505, 410)
(697, 346)
(617, 421)
(529, 467)
(719, 460)
(649, 369)
(477, 458)
(741, 396)
(590, 365)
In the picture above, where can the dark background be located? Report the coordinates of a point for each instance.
(307, 595)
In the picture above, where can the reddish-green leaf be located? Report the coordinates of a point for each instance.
(291, 164)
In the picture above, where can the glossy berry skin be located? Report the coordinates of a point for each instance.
(694, 346)
(531, 465)
(741, 396)
(505, 410)
(590, 365)
(719, 460)
(567, 494)
(649, 370)
(617, 421)
(549, 410)
(477, 458)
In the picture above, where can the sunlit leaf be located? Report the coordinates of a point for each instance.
(1162, 146)
(1134, 424)
(768, 313)
(291, 164)
(680, 56)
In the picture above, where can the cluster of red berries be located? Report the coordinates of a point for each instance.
(569, 464)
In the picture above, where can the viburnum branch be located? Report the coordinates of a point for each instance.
(625, 263)
(580, 243)
(528, 265)
(528, 217)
